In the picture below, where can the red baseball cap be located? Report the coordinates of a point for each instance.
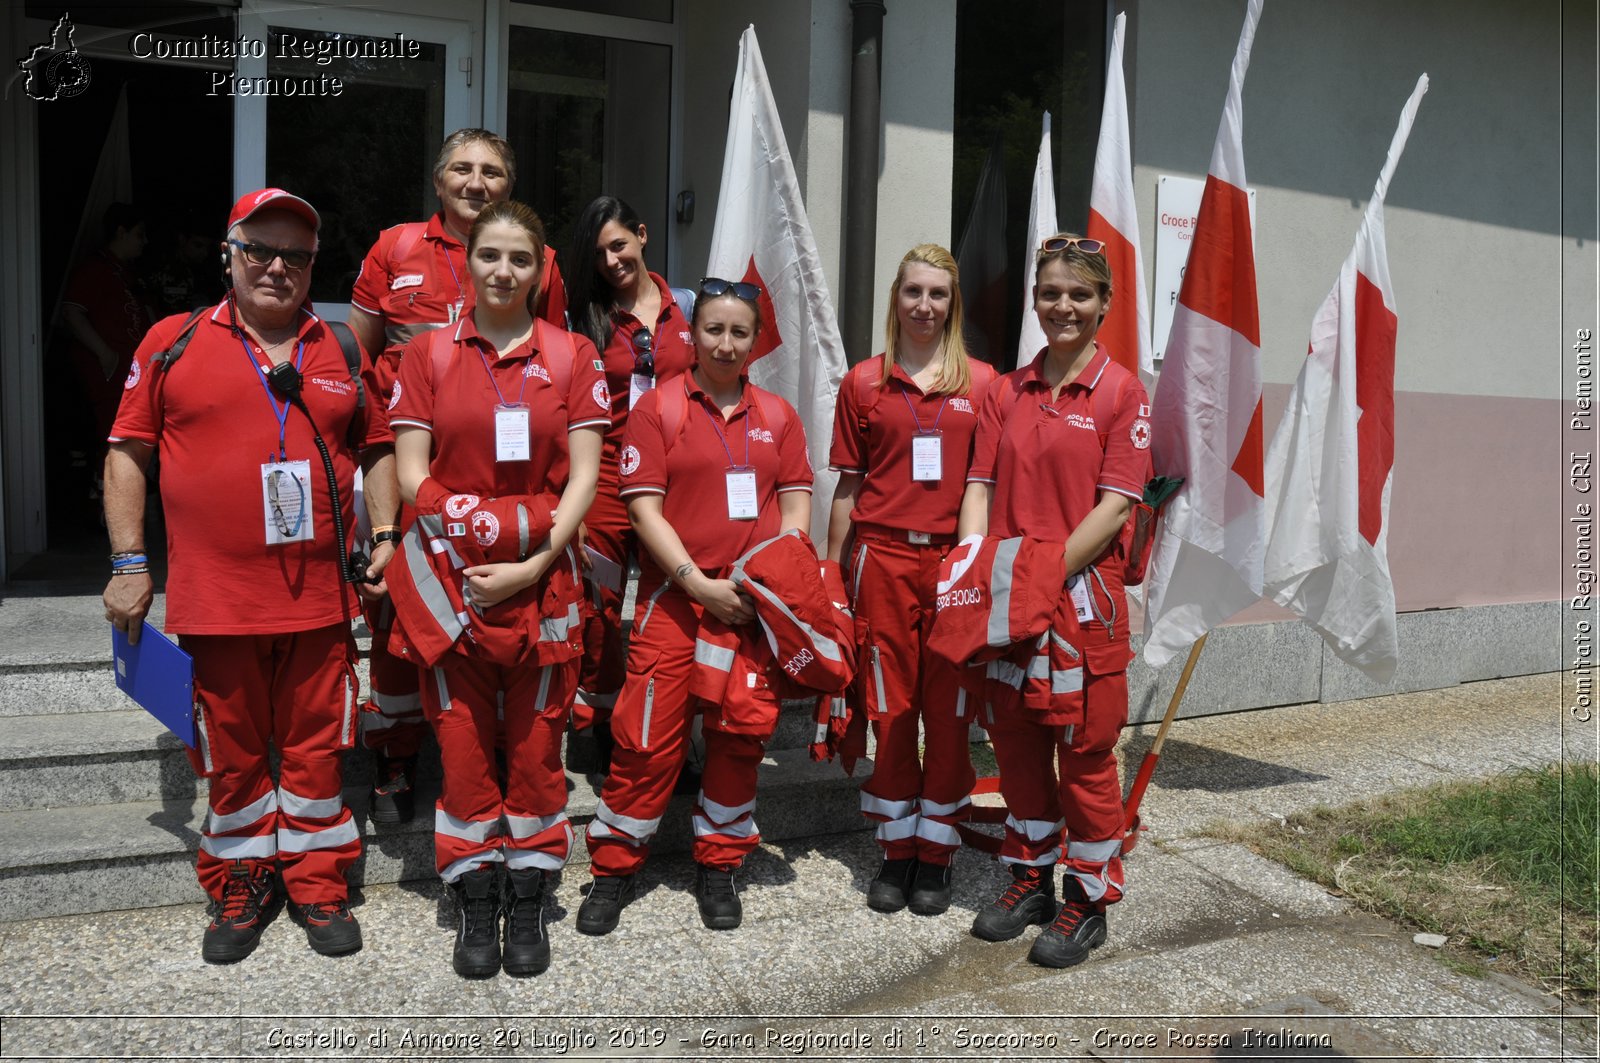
(273, 199)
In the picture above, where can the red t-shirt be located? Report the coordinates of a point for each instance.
(212, 420)
(108, 293)
(693, 473)
(672, 351)
(895, 414)
(417, 292)
(1045, 459)
(458, 409)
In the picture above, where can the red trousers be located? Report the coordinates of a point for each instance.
(607, 531)
(898, 683)
(470, 703)
(1086, 798)
(298, 692)
(650, 726)
(392, 721)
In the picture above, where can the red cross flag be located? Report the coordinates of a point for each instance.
(1331, 463)
(1114, 221)
(1041, 226)
(1206, 563)
(762, 235)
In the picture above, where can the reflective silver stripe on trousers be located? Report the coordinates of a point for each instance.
(222, 823)
(641, 829)
(1097, 852)
(878, 806)
(309, 807)
(525, 827)
(744, 827)
(257, 847)
(468, 830)
(724, 813)
(1035, 830)
(460, 867)
(931, 830)
(304, 841)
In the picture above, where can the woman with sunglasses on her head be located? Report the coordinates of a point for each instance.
(633, 320)
(1061, 455)
(495, 409)
(902, 440)
(711, 465)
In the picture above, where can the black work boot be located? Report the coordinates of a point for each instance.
(589, 749)
(331, 929)
(1029, 899)
(887, 892)
(599, 912)
(477, 952)
(392, 799)
(246, 906)
(714, 888)
(527, 947)
(1079, 926)
(930, 890)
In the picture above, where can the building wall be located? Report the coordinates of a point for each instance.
(1480, 249)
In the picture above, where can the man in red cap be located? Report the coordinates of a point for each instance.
(255, 404)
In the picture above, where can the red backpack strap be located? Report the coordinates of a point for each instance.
(559, 353)
(441, 343)
(868, 391)
(410, 233)
(773, 412)
(674, 409)
(1104, 403)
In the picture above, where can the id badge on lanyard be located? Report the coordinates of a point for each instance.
(511, 438)
(742, 502)
(927, 457)
(454, 310)
(638, 384)
(286, 502)
(1078, 587)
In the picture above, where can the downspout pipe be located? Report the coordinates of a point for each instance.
(861, 178)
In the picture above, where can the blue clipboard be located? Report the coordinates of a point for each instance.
(159, 676)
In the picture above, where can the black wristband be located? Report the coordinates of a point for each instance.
(391, 535)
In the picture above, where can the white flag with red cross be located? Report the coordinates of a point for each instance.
(1331, 464)
(1206, 424)
(1114, 221)
(762, 235)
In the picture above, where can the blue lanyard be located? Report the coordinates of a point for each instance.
(282, 414)
(913, 410)
(723, 436)
(520, 392)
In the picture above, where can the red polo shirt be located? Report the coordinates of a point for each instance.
(1045, 458)
(895, 415)
(672, 351)
(214, 425)
(413, 293)
(458, 409)
(693, 473)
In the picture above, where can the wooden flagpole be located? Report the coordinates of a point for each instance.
(1142, 781)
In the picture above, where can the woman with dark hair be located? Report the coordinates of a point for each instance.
(1061, 456)
(631, 317)
(711, 465)
(500, 408)
(902, 439)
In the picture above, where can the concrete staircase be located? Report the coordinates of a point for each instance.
(100, 811)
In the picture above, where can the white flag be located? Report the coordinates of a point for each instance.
(1041, 224)
(1114, 221)
(1331, 463)
(1206, 420)
(761, 235)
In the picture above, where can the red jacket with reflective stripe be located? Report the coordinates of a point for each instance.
(433, 609)
(994, 593)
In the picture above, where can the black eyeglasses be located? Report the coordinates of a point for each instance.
(711, 287)
(643, 363)
(294, 259)
(1063, 242)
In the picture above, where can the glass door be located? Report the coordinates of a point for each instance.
(589, 111)
(362, 150)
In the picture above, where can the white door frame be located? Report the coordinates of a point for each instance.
(463, 101)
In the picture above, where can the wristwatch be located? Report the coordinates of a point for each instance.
(388, 535)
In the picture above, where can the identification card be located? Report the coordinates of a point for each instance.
(742, 494)
(638, 384)
(511, 441)
(286, 500)
(455, 310)
(927, 457)
(1078, 587)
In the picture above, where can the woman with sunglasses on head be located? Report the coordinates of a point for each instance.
(902, 440)
(711, 465)
(1062, 455)
(633, 320)
(501, 408)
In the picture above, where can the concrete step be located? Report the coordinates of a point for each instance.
(59, 760)
(140, 854)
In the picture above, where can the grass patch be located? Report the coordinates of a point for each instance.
(1505, 867)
